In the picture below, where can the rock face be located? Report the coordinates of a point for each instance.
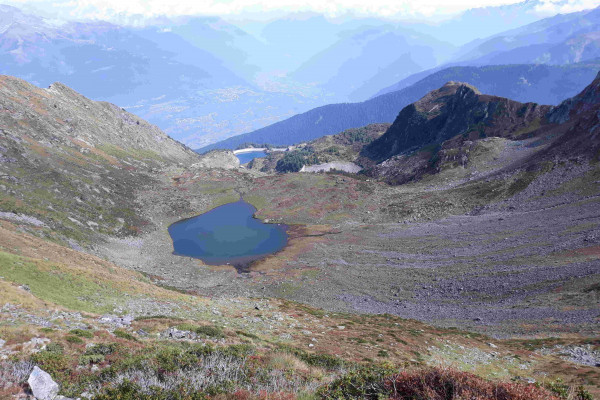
(224, 159)
(42, 385)
(587, 100)
(578, 128)
(454, 109)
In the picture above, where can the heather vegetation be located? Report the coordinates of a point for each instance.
(157, 370)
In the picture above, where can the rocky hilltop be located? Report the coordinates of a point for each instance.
(456, 108)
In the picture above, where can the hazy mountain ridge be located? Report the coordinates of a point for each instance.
(549, 33)
(346, 68)
(558, 40)
(228, 81)
(132, 64)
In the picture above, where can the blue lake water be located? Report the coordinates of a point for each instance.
(228, 234)
(247, 157)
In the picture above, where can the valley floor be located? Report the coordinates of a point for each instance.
(523, 265)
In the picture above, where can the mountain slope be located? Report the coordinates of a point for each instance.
(455, 133)
(533, 83)
(74, 164)
(579, 125)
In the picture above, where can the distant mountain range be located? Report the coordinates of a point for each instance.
(544, 84)
(562, 39)
(203, 79)
(174, 80)
(371, 56)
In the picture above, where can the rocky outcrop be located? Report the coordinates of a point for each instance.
(445, 128)
(224, 159)
(454, 109)
(577, 129)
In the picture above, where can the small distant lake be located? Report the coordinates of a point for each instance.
(251, 155)
(228, 234)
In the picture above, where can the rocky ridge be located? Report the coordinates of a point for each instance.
(454, 109)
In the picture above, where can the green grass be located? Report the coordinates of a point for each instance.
(74, 339)
(259, 202)
(229, 196)
(50, 283)
(82, 333)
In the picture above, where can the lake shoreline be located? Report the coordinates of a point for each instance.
(228, 235)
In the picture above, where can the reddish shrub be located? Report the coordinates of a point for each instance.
(444, 384)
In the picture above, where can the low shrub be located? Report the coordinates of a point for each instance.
(74, 339)
(383, 354)
(206, 330)
(103, 349)
(238, 350)
(124, 335)
(363, 383)
(564, 391)
(445, 384)
(57, 365)
(82, 333)
(55, 348)
(210, 331)
(147, 317)
(128, 390)
(87, 359)
(430, 384)
(247, 334)
(322, 360)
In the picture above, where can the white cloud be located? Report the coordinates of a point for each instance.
(565, 6)
(118, 9)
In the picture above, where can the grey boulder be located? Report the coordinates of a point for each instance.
(42, 385)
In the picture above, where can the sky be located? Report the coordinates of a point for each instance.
(112, 10)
